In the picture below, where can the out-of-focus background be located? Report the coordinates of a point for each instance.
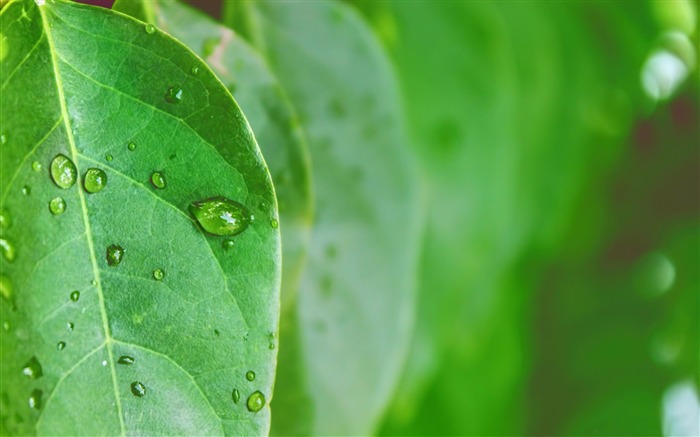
(559, 285)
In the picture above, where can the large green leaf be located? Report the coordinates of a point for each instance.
(356, 302)
(86, 82)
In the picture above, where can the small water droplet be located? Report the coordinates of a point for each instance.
(126, 360)
(95, 180)
(35, 399)
(250, 375)
(6, 289)
(138, 389)
(93, 283)
(33, 369)
(5, 219)
(216, 332)
(57, 206)
(109, 157)
(221, 216)
(8, 250)
(228, 243)
(194, 70)
(63, 171)
(158, 179)
(158, 274)
(104, 363)
(274, 223)
(70, 326)
(61, 345)
(235, 395)
(115, 254)
(174, 94)
(256, 402)
(75, 295)
(36, 166)
(3, 138)
(271, 346)
(26, 190)
(150, 29)
(131, 146)
(6, 325)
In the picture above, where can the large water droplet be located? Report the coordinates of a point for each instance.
(95, 180)
(235, 395)
(63, 171)
(75, 295)
(256, 402)
(6, 290)
(36, 166)
(33, 369)
(35, 399)
(158, 179)
(158, 274)
(131, 146)
(150, 29)
(250, 375)
(174, 94)
(115, 253)
(220, 216)
(8, 250)
(138, 389)
(61, 345)
(126, 360)
(5, 219)
(57, 206)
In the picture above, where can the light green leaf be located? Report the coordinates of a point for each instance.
(356, 302)
(111, 93)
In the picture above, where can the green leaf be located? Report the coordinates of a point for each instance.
(168, 319)
(267, 109)
(356, 302)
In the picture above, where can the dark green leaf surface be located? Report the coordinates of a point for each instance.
(356, 302)
(271, 116)
(86, 82)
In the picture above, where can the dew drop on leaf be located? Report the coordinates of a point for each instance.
(221, 216)
(256, 402)
(70, 326)
(150, 29)
(63, 171)
(158, 179)
(228, 243)
(35, 399)
(131, 146)
(6, 325)
(235, 395)
(33, 369)
(271, 346)
(93, 283)
(158, 274)
(57, 206)
(174, 94)
(109, 157)
(250, 375)
(61, 345)
(5, 219)
(36, 166)
(75, 295)
(26, 190)
(194, 70)
(95, 180)
(126, 360)
(115, 253)
(274, 223)
(6, 289)
(3, 138)
(138, 389)
(8, 250)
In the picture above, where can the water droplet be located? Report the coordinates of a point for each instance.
(221, 216)
(61, 345)
(115, 253)
(63, 171)
(36, 166)
(93, 283)
(138, 389)
(70, 326)
(235, 395)
(271, 346)
(126, 360)
(131, 146)
(104, 363)
(250, 375)
(95, 180)
(8, 250)
(3, 139)
(26, 190)
(33, 369)
(109, 157)
(216, 332)
(194, 70)
(57, 206)
(256, 402)
(174, 94)
(6, 325)
(228, 243)
(158, 274)
(150, 29)
(6, 289)
(35, 399)
(5, 219)
(274, 223)
(158, 179)
(74, 296)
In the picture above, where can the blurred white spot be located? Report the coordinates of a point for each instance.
(681, 410)
(104, 363)
(40, 2)
(655, 274)
(662, 73)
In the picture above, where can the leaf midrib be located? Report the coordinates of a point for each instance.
(86, 220)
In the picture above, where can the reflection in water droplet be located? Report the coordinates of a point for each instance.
(126, 360)
(256, 402)
(57, 206)
(158, 274)
(132, 146)
(115, 254)
(6, 289)
(74, 296)
(221, 216)
(26, 190)
(33, 369)
(228, 243)
(36, 166)
(274, 223)
(61, 345)
(174, 94)
(138, 389)
(95, 180)
(109, 157)
(235, 395)
(8, 250)
(63, 171)
(150, 29)
(158, 180)
(250, 375)
(35, 399)
(5, 219)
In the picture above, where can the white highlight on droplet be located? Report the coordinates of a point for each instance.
(681, 410)
(40, 2)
